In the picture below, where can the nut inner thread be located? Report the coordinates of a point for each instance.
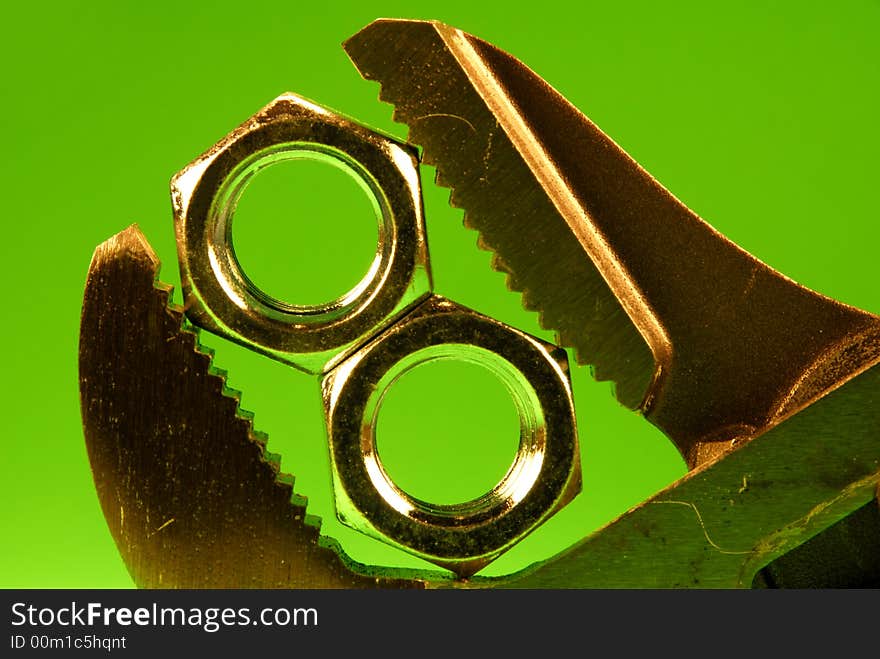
(520, 476)
(228, 269)
(305, 230)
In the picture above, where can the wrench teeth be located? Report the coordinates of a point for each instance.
(432, 95)
(191, 494)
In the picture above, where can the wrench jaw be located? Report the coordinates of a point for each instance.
(710, 344)
(190, 494)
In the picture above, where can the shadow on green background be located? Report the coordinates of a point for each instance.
(762, 119)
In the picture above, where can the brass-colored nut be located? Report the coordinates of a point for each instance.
(543, 478)
(220, 297)
(369, 337)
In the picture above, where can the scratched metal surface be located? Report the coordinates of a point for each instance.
(719, 525)
(190, 495)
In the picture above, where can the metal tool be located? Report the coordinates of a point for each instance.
(769, 390)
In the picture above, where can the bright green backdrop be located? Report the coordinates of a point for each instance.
(761, 116)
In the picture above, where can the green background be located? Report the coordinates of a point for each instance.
(760, 116)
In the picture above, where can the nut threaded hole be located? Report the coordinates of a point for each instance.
(286, 234)
(447, 431)
(520, 473)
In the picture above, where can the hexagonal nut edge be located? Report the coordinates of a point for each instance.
(544, 477)
(218, 295)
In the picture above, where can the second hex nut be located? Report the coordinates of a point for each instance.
(543, 478)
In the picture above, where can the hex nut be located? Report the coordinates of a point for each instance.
(218, 295)
(543, 478)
